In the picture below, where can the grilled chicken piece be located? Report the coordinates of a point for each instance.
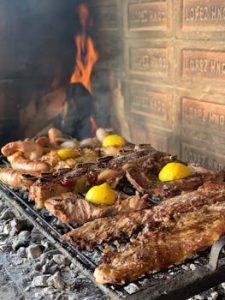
(15, 178)
(70, 208)
(123, 226)
(145, 182)
(163, 246)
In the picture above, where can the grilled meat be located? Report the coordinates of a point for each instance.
(19, 162)
(164, 245)
(106, 229)
(78, 180)
(15, 178)
(137, 157)
(57, 183)
(55, 136)
(70, 208)
(30, 149)
(123, 226)
(40, 194)
(146, 182)
(44, 189)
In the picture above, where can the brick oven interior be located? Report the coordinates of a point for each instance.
(159, 77)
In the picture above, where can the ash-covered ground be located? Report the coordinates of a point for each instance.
(31, 268)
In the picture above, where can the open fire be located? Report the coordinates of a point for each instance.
(86, 54)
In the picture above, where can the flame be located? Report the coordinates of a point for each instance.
(86, 55)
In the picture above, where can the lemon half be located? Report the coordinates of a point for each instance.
(173, 171)
(113, 140)
(67, 153)
(101, 194)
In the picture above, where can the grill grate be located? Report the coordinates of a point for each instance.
(203, 271)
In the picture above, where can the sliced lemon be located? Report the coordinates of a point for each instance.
(173, 171)
(113, 140)
(101, 194)
(67, 153)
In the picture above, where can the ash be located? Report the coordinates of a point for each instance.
(31, 268)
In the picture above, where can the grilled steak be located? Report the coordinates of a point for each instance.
(164, 245)
(146, 182)
(106, 229)
(149, 156)
(123, 226)
(70, 208)
(55, 184)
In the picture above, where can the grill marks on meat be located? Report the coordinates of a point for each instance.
(70, 208)
(123, 226)
(106, 229)
(146, 182)
(163, 246)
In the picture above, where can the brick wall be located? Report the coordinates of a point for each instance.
(171, 69)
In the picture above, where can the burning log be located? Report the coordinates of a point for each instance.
(77, 117)
(77, 111)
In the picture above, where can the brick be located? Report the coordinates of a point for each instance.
(154, 105)
(149, 60)
(208, 159)
(200, 19)
(147, 18)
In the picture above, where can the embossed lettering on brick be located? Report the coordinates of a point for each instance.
(207, 116)
(207, 159)
(204, 64)
(151, 15)
(147, 102)
(201, 14)
(149, 60)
